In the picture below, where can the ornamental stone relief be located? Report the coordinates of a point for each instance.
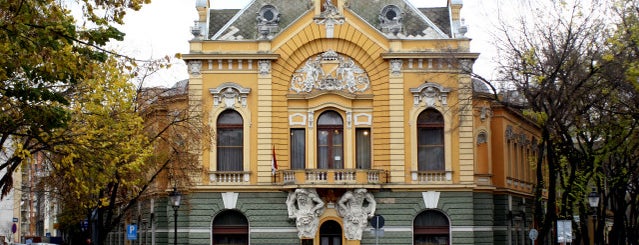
(430, 94)
(330, 71)
(229, 95)
(195, 66)
(264, 67)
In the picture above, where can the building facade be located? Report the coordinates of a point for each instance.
(325, 115)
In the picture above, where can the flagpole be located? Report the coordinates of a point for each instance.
(273, 165)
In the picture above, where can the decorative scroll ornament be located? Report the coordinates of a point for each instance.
(332, 72)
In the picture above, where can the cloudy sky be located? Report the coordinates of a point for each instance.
(163, 28)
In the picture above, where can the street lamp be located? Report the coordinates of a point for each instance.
(593, 201)
(175, 198)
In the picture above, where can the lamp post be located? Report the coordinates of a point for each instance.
(175, 197)
(593, 201)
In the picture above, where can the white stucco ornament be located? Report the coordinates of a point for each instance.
(331, 72)
(305, 206)
(356, 207)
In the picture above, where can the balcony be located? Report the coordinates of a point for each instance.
(332, 177)
(432, 177)
(229, 178)
(518, 184)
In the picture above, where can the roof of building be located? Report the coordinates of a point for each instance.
(480, 87)
(242, 24)
(417, 22)
(441, 18)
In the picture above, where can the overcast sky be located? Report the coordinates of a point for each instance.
(163, 28)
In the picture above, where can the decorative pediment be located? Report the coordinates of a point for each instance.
(430, 94)
(229, 95)
(330, 71)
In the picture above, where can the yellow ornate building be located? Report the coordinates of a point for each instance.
(325, 115)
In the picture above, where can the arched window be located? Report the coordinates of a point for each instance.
(330, 233)
(230, 228)
(330, 140)
(430, 138)
(431, 227)
(230, 141)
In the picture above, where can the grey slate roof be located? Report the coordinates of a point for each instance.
(439, 16)
(219, 17)
(245, 23)
(414, 22)
(235, 24)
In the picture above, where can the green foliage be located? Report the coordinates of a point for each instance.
(105, 143)
(45, 54)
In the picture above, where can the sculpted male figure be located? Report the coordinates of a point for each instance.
(305, 206)
(356, 207)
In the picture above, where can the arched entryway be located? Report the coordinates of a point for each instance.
(230, 227)
(431, 227)
(330, 233)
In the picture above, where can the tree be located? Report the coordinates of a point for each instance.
(121, 143)
(559, 57)
(619, 161)
(44, 54)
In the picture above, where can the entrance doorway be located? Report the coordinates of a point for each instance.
(330, 233)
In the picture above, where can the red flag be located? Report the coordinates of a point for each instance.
(273, 163)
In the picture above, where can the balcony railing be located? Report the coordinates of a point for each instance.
(230, 177)
(518, 184)
(432, 177)
(332, 176)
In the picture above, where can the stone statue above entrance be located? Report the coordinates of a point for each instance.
(305, 206)
(356, 207)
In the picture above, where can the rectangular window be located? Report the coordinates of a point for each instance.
(298, 148)
(363, 148)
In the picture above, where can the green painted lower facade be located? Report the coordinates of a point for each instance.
(474, 218)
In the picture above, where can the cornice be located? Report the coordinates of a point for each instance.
(235, 56)
(430, 55)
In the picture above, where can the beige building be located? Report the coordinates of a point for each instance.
(325, 115)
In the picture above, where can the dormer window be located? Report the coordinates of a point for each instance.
(268, 19)
(269, 14)
(390, 19)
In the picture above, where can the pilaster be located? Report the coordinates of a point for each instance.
(466, 133)
(397, 134)
(264, 123)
